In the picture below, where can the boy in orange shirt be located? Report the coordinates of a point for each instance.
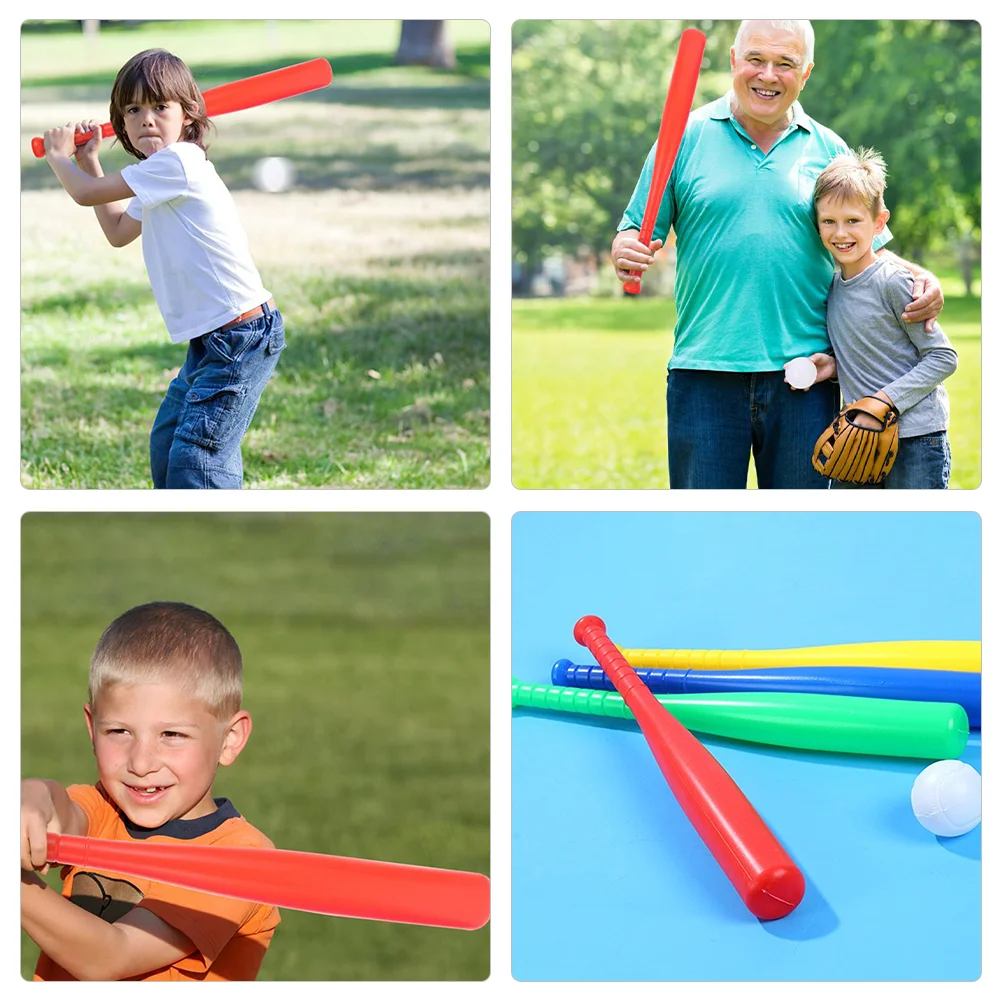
(163, 714)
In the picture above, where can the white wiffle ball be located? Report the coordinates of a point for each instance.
(274, 174)
(801, 373)
(946, 798)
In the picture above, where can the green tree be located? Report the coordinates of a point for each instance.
(587, 98)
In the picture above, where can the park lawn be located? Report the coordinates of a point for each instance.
(58, 54)
(365, 641)
(588, 379)
(588, 391)
(378, 259)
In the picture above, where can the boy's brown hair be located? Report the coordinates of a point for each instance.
(858, 174)
(157, 75)
(171, 641)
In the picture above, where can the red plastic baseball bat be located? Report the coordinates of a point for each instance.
(304, 881)
(676, 113)
(756, 864)
(242, 94)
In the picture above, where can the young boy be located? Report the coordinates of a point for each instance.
(198, 261)
(163, 714)
(876, 352)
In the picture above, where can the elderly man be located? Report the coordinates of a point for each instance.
(752, 276)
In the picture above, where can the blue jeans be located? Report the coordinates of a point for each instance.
(717, 419)
(195, 441)
(922, 462)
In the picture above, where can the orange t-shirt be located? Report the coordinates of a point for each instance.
(230, 936)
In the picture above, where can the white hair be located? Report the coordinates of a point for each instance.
(802, 28)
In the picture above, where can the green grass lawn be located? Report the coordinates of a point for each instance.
(378, 258)
(365, 640)
(588, 391)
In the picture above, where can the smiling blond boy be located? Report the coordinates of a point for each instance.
(164, 712)
(878, 353)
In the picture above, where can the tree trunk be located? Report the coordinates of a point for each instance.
(966, 253)
(425, 43)
(91, 28)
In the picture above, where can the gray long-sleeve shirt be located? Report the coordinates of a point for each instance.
(876, 350)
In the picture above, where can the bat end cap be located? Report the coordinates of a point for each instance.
(559, 670)
(776, 892)
(515, 686)
(584, 624)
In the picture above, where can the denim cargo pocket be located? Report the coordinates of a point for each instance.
(211, 415)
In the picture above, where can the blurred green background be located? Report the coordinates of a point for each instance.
(588, 363)
(378, 257)
(365, 640)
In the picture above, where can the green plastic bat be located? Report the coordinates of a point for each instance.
(856, 725)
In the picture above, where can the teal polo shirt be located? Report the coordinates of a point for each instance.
(751, 273)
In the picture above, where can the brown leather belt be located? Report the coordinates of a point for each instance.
(249, 315)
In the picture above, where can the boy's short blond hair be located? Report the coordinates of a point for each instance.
(171, 642)
(860, 174)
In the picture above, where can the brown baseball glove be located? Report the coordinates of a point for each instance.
(853, 453)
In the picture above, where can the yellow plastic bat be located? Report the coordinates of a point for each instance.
(937, 655)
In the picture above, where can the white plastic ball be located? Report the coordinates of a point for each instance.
(274, 174)
(946, 798)
(801, 373)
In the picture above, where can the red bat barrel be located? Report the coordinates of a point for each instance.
(305, 881)
(287, 81)
(275, 85)
(756, 864)
(678, 102)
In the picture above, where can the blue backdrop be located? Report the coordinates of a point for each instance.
(609, 881)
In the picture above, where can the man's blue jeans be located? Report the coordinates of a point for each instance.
(195, 441)
(716, 420)
(922, 462)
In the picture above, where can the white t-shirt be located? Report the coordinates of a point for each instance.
(195, 248)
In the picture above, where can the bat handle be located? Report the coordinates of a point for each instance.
(565, 673)
(589, 631)
(55, 846)
(632, 286)
(569, 700)
(38, 143)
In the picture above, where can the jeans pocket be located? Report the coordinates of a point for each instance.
(276, 338)
(231, 346)
(211, 415)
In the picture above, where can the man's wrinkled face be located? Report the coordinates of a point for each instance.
(768, 73)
